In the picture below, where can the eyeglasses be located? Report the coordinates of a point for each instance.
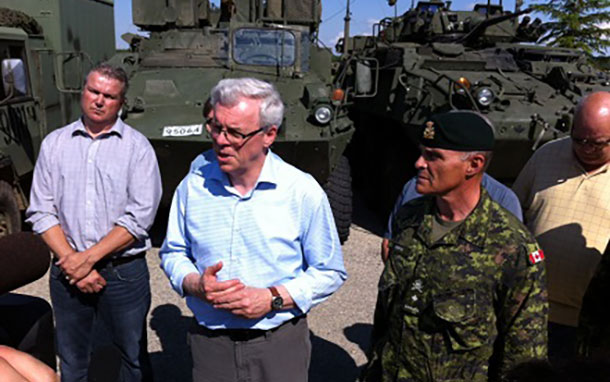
(597, 144)
(233, 136)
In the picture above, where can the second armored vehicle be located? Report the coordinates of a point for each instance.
(433, 59)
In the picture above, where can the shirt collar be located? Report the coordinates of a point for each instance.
(117, 129)
(578, 165)
(268, 173)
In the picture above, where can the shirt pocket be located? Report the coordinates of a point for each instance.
(466, 319)
(112, 184)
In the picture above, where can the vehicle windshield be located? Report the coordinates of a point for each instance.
(264, 47)
(429, 7)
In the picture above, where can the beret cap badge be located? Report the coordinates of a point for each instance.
(460, 130)
(429, 130)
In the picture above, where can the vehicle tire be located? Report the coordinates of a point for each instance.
(10, 217)
(338, 188)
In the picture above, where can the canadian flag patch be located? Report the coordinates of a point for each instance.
(536, 256)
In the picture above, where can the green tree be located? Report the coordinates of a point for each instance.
(577, 24)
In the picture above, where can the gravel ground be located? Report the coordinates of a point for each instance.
(340, 327)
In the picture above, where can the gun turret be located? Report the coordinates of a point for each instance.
(481, 27)
(433, 21)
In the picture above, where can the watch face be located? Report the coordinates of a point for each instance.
(277, 303)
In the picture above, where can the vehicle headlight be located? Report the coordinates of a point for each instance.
(485, 96)
(323, 114)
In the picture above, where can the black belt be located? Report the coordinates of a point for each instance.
(241, 335)
(116, 261)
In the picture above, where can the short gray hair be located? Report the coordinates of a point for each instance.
(114, 72)
(228, 92)
(486, 154)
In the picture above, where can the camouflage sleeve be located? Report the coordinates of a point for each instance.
(386, 291)
(522, 309)
(388, 283)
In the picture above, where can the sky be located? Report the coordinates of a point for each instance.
(364, 13)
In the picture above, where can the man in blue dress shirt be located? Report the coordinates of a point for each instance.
(251, 243)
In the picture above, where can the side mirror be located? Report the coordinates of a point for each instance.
(14, 79)
(367, 73)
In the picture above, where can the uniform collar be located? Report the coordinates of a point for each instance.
(473, 229)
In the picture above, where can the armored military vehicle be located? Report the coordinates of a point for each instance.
(45, 52)
(191, 45)
(433, 59)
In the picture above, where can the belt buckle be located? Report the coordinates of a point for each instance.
(244, 335)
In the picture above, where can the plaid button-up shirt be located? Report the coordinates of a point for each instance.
(88, 186)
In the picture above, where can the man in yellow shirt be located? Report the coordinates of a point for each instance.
(564, 190)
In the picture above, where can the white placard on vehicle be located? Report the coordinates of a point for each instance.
(182, 131)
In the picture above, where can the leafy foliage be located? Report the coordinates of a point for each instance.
(577, 24)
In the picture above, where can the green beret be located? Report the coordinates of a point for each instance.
(457, 130)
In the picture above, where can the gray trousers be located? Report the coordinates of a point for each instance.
(278, 355)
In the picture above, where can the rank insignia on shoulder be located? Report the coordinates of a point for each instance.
(536, 256)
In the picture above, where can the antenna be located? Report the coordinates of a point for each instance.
(518, 4)
(346, 29)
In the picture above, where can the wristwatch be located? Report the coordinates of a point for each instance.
(277, 302)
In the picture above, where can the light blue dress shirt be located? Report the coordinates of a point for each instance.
(88, 185)
(281, 233)
(503, 195)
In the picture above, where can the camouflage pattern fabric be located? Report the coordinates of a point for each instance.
(18, 19)
(593, 336)
(465, 308)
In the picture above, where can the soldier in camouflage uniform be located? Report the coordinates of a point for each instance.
(463, 294)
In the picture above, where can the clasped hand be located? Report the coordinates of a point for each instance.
(76, 265)
(92, 283)
(231, 295)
